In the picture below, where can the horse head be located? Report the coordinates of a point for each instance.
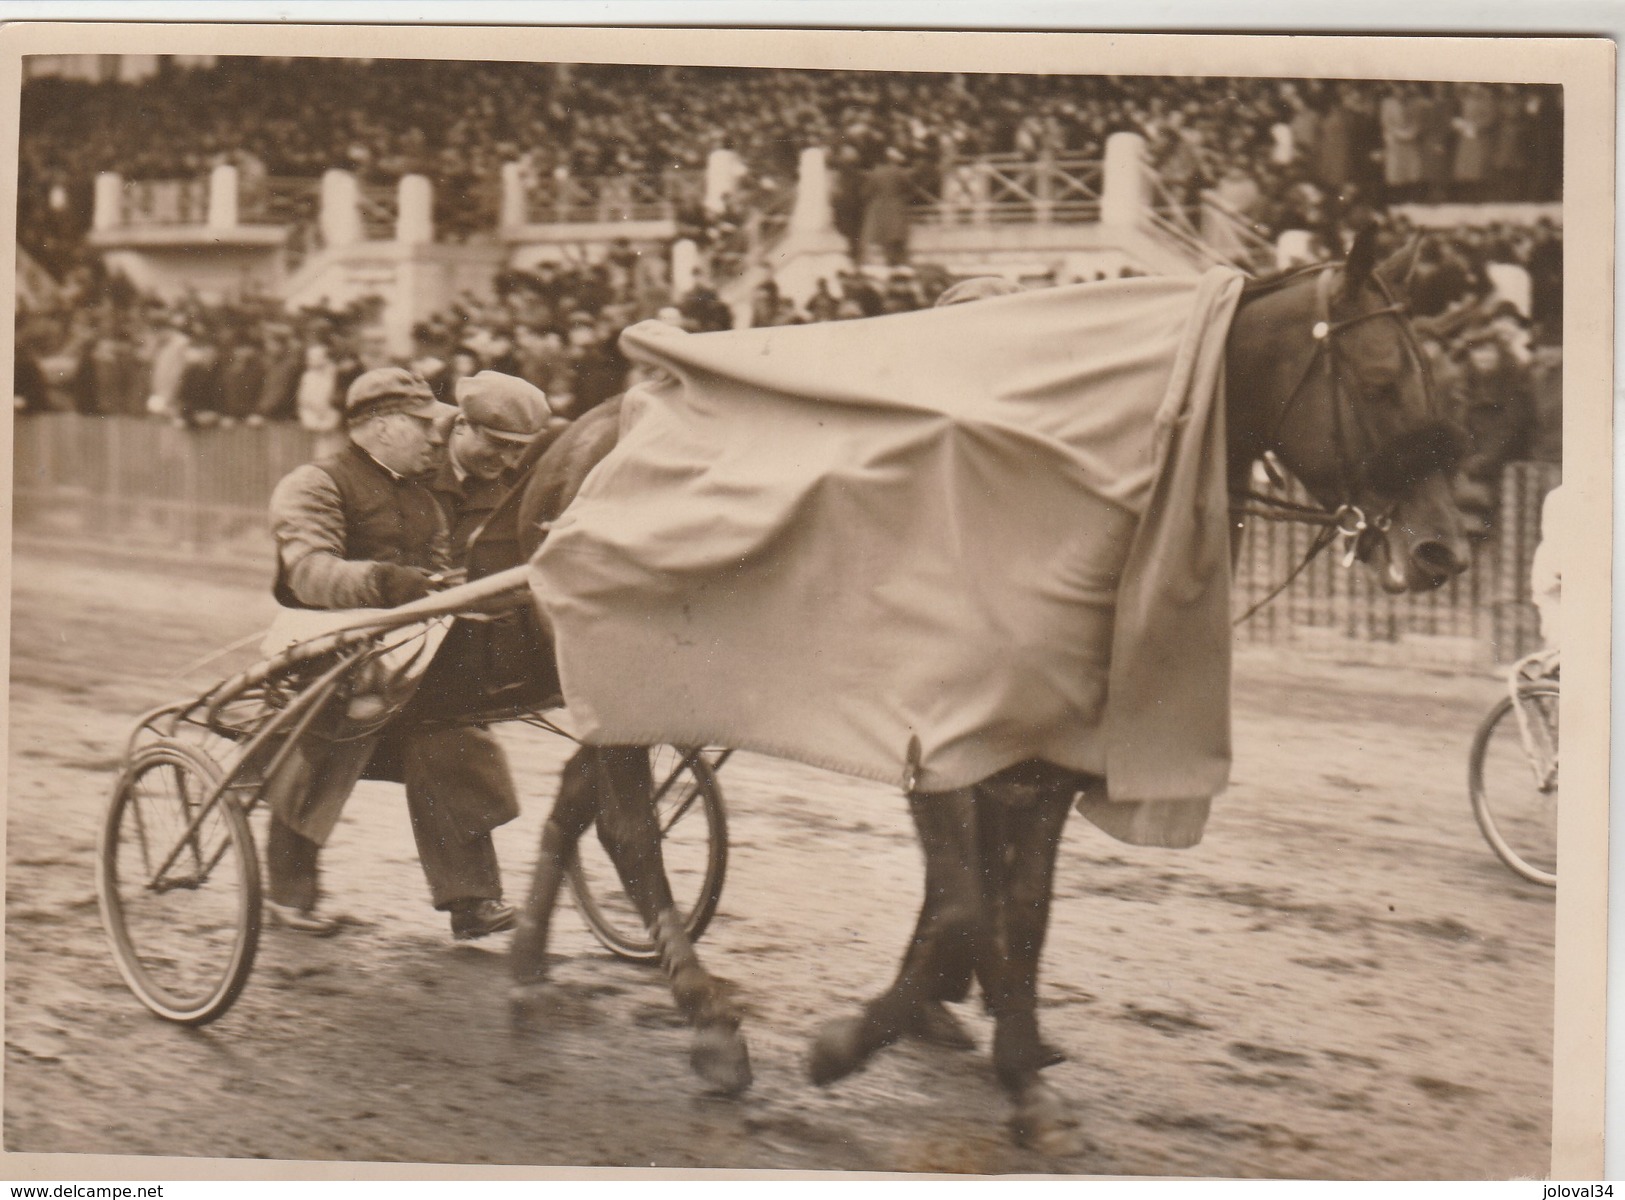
(1326, 373)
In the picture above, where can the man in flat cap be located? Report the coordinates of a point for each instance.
(497, 418)
(357, 530)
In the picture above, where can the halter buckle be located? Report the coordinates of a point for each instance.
(1351, 527)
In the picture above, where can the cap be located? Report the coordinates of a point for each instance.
(503, 406)
(386, 390)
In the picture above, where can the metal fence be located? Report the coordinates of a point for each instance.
(1483, 616)
(132, 481)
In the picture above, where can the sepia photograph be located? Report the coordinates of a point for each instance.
(939, 604)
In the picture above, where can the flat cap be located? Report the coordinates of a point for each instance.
(504, 406)
(385, 390)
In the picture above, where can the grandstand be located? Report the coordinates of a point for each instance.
(213, 242)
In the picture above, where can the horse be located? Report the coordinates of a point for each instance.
(1323, 374)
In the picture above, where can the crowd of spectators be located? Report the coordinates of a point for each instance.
(1282, 151)
(1488, 303)
(1320, 157)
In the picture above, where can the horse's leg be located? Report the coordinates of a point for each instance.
(1020, 834)
(941, 953)
(573, 814)
(629, 828)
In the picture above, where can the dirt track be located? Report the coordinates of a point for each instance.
(1340, 981)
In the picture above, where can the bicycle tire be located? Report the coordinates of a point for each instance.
(158, 946)
(1498, 735)
(696, 875)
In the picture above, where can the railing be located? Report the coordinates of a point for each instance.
(156, 203)
(130, 480)
(1209, 230)
(379, 204)
(1007, 189)
(133, 480)
(1177, 219)
(1485, 615)
(280, 200)
(292, 201)
(568, 199)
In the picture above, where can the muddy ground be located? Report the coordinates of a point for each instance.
(1341, 981)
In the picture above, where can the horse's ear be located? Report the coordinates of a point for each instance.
(1361, 262)
(1396, 270)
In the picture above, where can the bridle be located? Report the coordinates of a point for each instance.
(1348, 521)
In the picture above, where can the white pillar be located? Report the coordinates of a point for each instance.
(1125, 192)
(341, 209)
(513, 195)
(812, 213)
(414, 213)
(722, 170)
(108, 212)
(685, 265)
(223, 197)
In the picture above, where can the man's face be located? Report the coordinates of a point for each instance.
(481, 454)
(406, 444)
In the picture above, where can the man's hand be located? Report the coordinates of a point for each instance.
(399, 585)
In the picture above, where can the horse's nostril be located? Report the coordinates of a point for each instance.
(1436, 558)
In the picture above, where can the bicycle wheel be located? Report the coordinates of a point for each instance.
(693, 845)
(182, 909)
(1514, 786)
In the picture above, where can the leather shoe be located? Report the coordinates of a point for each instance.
(472, 919)
(300, 920)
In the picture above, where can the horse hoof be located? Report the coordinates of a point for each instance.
(720, 1057)
(936, 1026)
(1044, 1122)
(837, 1052)
(528, 1004)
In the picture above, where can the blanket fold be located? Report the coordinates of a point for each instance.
(999, 528)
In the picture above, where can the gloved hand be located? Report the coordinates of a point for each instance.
(397, 585)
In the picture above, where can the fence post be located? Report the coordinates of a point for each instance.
(513, 195)
(722, 171)
(1125, 185)
(414, 211)
(340, 209)
(812, 212)
(108, 212)
(222, 210)
(1044, 189)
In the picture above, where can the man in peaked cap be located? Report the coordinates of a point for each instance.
(497, 418)
(357, 530)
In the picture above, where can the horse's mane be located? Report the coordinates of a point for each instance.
(1261, 285)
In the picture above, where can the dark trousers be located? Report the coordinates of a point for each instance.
(457, 790)
(466, 871)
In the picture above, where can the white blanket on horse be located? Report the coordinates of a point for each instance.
(950, 540)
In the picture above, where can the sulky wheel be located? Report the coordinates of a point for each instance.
(694, 845)
(180, 894)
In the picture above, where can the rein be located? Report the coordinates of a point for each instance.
(1348, 521)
